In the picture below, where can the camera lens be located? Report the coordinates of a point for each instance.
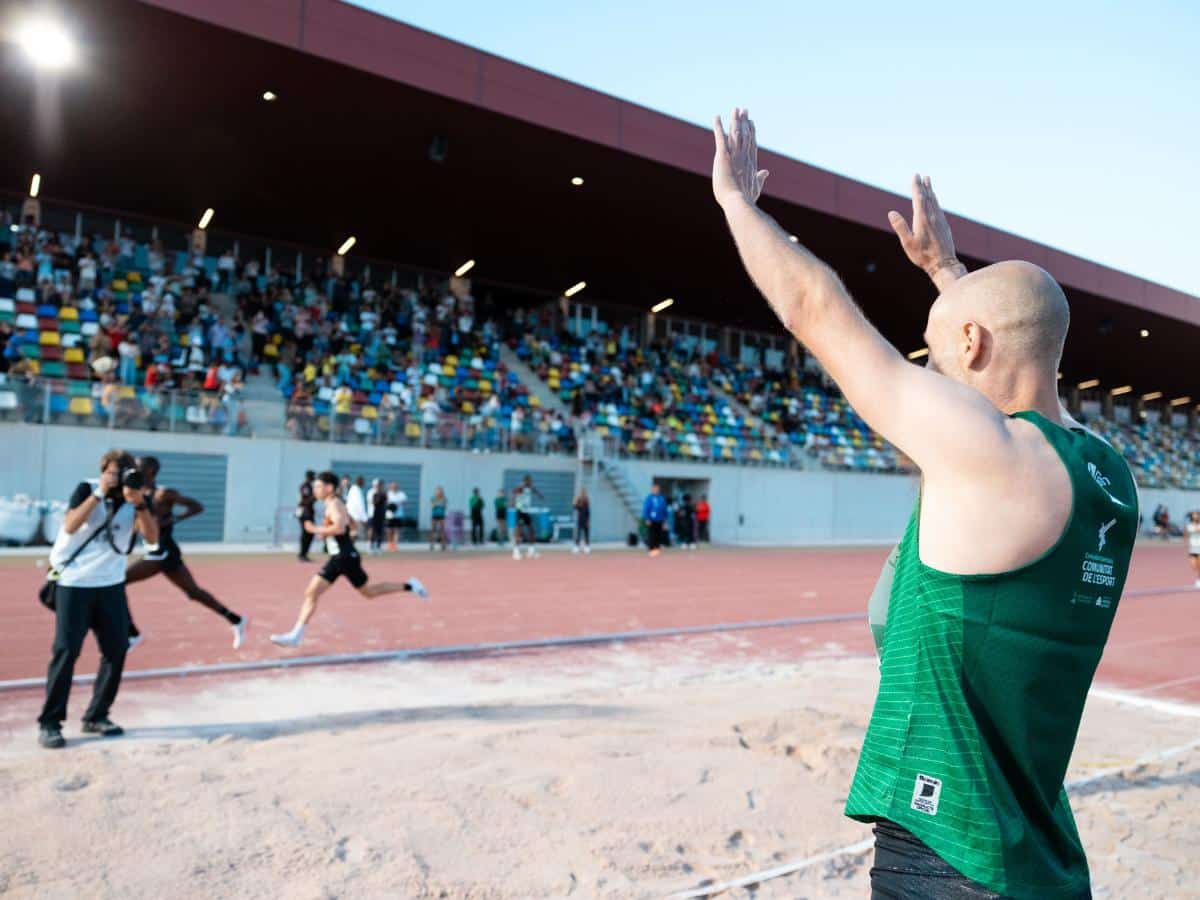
(132, 478)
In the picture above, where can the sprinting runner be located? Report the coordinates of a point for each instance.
(523, 503)
(168, 558)
(989, 646)
(336, 529)
(1192, 529)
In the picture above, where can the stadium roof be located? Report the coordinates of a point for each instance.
(165, 117)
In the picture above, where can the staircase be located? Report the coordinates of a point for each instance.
(264, 406)
(537, 388)
(618, 481)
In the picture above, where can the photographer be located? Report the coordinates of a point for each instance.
(89, 553)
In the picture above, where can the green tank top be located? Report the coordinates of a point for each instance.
(982, 684)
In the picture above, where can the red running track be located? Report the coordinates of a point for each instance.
(486, 598)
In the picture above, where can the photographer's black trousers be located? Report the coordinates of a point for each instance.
(105, 611)
(306, 539)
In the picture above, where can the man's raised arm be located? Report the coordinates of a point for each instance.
(935, 421)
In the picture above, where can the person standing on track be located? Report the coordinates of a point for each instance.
(167, 559)
(379, 502)
(336, 529)
(988, 648)
(523, 501)
(475, 507)
(685, 523)
(306, 512)
(1192, 530)
(396, 499)
(654, 512)
(583, 522)
(703, 514)
(501, 507)
(437, 515)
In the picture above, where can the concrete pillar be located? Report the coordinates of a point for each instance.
(1106, 405)
(726, 341)
(199, 242)
(31, 212)
(1073, 401)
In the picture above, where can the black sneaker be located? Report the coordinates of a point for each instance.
(103, 727)
(50, 737)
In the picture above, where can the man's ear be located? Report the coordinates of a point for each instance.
(976, 346)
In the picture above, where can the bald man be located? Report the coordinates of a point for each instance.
(1001, 594)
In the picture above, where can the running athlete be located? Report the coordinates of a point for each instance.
(1192, 528)
(168, 558)
(336, 529)
(988, 647)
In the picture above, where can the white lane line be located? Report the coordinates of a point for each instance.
(451, 650)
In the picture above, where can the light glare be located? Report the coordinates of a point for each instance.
(35, 185)
(659, 307)
(206, 218)
(346, 245)
(47, 44)
(464, 268)
(575, 289)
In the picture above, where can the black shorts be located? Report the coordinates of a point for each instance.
(168, 556)
(395, 522)
(340, 564)
(524, 518)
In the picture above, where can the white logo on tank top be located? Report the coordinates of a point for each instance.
(1103, 481)
(1104, 529)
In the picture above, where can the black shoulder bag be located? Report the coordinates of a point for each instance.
(46, 592)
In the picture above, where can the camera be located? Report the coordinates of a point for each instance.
(132, 477)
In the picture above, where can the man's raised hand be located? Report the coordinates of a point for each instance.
(735, 163)
(929, 244)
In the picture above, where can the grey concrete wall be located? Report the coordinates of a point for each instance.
(750, 505)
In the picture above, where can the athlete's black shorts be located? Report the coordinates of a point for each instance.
(168, 556)
(340, 564)
(907, 869)
(524, 518)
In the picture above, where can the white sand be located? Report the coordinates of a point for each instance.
(612, 772)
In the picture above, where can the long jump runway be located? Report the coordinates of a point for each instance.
(785, 603)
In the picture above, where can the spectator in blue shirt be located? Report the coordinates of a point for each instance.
(654, 512)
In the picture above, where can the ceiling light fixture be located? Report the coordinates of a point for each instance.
(659, 307)
(918, 354)
(575, 289)
(1145, 332)
(577, 181)
(270, 96)
(346, 245)
(1153, 395)
(1181, 401)
(35, 184)
(1123, 389)
(793, 239)
(206, 218)
(464, 268)
(1090, 383)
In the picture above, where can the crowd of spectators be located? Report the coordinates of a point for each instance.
(113, 331)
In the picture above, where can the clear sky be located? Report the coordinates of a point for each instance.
(1076, 124)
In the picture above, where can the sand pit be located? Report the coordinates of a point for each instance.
(611, 772)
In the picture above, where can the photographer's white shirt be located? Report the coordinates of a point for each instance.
(99, 565)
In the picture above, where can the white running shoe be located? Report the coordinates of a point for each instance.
(1198, 582)
(532, 552)
(291, 639)
(516, 552)
(587, 549)
(575, 550)
(239, 633)
(135, 642)
(418, 588)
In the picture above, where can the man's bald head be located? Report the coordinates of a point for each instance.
(1004, 322)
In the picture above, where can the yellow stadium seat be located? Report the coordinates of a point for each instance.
(370, 412)
(452, 361)
(271, 350)
(412, 430)
(48, 339)
(485, 386)
(120, 284)
(468, 407)
(127, 392)
(134, 277)
(73, 355)
(448, 370)
(534, 401)
(184, 339)
(69, 313)
(81, 406)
